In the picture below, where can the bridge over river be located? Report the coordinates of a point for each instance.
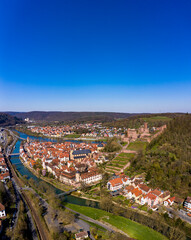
(67, 193)
(14, 154)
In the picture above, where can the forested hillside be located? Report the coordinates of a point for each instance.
(71, 116)
(153, 120)
(6, 120)
(167, 161)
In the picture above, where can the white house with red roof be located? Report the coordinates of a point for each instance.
(134, 193)
(115, 184)
(150, 199)
(144, 188)
(169, 201)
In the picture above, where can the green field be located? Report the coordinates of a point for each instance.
(137, 146)
(72, 136)
(157, 118)
(133, 229)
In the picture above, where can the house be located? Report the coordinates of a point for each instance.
(100, 146)
(4, 176)
(67, 178)
(165, 195)
(144, 188)
(2, 211)
(90, 177)
(136, 182)
(151, 199)
(127, 189)
(81, 235)
(126, 181)
(158, 194)
(134, 193)
(169, 201)
(115, 184)
(143, 200)
(187, 204)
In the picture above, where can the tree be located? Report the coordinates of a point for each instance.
(117, 210)
(65, 216)
(2, 192)
(112, 145)
(106, 204)
(84, 187)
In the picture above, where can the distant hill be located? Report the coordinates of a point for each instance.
(135, 121)
(71, 116)
(8, 120)
(167, 160)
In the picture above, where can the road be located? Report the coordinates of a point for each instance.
(18, 184)
(179, 214)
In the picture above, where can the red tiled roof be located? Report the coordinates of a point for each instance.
(116, 181)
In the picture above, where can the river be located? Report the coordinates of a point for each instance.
(25, 171)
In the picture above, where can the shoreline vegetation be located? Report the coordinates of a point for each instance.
(26, 131)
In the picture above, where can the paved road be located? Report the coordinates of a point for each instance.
(179, 214)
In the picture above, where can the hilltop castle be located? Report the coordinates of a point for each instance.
(143, 133)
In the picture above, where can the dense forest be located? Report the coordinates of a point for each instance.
(7, 120)
(167, 160)
(71, 116)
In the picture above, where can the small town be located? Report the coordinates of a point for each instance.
(95, 120)
(79, 165)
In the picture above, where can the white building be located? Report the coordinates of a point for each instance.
(2, 211)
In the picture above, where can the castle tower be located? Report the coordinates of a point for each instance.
(145, 125)
(77, 176)
(128, 132)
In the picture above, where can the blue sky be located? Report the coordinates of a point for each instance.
(124, 56)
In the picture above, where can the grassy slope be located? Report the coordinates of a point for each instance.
(133, 229)
(72, 136)
(137, 146)
(157, 118)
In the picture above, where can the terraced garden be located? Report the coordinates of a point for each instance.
(119, 162)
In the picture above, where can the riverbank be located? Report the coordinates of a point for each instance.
(53, 182)
(131, 228)
(57, 184)
(61, 139)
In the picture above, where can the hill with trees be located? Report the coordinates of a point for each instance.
(135, 121)
(7, 120)
(167, 159)
(71, 116)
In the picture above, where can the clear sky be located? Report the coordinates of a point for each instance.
(95, 55)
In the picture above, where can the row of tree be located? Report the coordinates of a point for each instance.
(171, 229)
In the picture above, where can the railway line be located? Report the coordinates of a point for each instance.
(42, 233)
